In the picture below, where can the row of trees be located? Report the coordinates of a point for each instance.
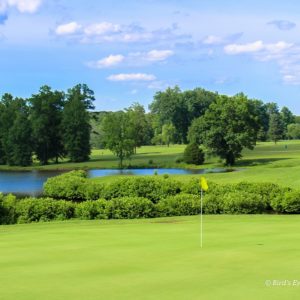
(223, 125)
(50, 125)
(53, 124)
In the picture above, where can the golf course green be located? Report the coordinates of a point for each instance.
(243, 257)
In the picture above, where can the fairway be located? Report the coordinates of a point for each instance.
(152, 259)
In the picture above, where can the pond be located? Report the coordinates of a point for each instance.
(31, 182)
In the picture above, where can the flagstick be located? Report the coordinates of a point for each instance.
(201, 226)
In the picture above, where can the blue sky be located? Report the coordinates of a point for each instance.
(127, 50)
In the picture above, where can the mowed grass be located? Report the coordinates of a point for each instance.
(152, 259)
(268, 162)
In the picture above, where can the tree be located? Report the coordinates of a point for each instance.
(168, 133)
(19, 140)
(76, 126)
(228, 126)
(170, 107)
(193, 154)
(15, 132)
(287, 119)
(293, 131)
(117, 135)
(276, 127)
(46, 117)
(138, 125)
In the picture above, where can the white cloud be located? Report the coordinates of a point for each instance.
(109, 61)
(244, 48)
(132, 77)
(256, 47)
(23, 6)
(158, 55)
(286, 55)
(67, 29)
(213, 40)
(105, 32)
(132, 59)
(101, 28)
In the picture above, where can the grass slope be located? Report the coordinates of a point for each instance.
(151, 259)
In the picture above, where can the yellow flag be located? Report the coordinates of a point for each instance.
(203, 184)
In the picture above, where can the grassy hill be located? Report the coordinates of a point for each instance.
(152, 259)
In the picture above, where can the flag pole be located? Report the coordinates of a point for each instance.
(201, 218)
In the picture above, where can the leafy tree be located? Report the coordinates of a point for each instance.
(46, 117)
(287, 118)
(276, 127)
(76, 126)
(8, 109)
(19, 142)
(15, 132)
(171, 108)
(228, 126)
(198, 101)
(138, 125)
(293, 131)
(193, 154)
(117, 135)
(168, 133)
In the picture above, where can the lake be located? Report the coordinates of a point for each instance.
(31, 182)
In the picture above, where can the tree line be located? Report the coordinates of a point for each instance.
(49, 125)
(223, 125)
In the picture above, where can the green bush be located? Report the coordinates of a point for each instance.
(92, 190)
(130, 208)
(8, 209)
(179, 205)
(43, 209)
(287, 203)
(69, 186)
(193, 154)
(152, 188)
(212, 204)
(90, 210)
(243, 203)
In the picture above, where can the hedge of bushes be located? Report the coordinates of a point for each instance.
(72, 195)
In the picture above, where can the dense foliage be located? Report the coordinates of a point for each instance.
(50, 124)
(144, 197)
(193, 154)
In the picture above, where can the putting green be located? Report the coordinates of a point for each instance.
(152, 259)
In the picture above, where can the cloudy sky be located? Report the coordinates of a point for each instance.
(127, 50)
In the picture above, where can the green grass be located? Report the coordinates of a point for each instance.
(151, 259)
(266, 163)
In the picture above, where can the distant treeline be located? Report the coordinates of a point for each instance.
(54, 124)
(49, 125)
(223, 125)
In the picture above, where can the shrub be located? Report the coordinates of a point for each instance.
(69, 186)
(212, 204)
(268, 191)
(43, 209)
(179, 205)
(130, 208)
(8, 209)
(152, 188)
(92, 190)
(287, 203)
(193, 155)
(243, 203)
(90, 210)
